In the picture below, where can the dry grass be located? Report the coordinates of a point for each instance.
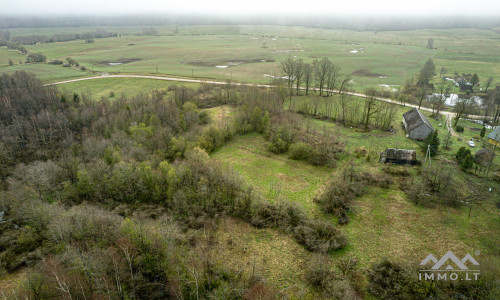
(266, 253)
(10, 282)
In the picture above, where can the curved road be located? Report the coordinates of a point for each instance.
(446, 113)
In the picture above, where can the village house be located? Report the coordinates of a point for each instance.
(494, 137)
(399, 156)
(416, 124)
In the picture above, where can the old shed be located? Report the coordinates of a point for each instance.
(399, 156)
(416, 124)
(483, 157)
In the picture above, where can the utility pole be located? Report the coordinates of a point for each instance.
(428, 154)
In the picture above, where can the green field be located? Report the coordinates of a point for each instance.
(99, 88)
(384, 222)
(251, 52)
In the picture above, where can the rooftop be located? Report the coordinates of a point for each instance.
(414, 118)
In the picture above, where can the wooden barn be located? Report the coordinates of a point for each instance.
(399, 156)
(416, 124)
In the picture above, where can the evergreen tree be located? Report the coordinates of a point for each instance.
(483, 132)
(467, 162)
(462, 154)
(433, 140)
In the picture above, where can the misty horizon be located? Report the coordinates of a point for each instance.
(225, 8)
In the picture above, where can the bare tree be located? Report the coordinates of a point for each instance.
(430, 43)
(321, 69)
(288, 68)
(462, 107)
(298, 73)
(487, 83)
(308, 76)
(372, 106)
(443, 90)
(332, 78)
(422, 92)
(345, 83)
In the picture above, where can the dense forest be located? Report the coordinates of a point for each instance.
(121, 200)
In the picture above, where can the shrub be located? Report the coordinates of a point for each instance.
(55, 62)
(283, 215)
(318, 271)
(320, 236)
(459, 128)
(35, 57)
(387, 280)
(281, 138)
(300, 151)
(337, 200)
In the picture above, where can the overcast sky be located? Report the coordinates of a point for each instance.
(252, 7)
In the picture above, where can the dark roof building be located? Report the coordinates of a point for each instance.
(416, 124)
(483, 156)
(399, 156)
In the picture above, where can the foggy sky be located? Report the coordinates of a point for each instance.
(251, 7)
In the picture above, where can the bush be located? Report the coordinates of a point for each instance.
(320, 236)
(300, 151)
(459, 128)
(55, 62)
(283, 215)
(318, 271)
(35, 57)
(337, 200)
(388, 280)
(281, 138)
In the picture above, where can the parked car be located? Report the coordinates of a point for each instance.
(471, 143)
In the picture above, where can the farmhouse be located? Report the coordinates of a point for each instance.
(494, 137)
(399, 156)
(416, 124)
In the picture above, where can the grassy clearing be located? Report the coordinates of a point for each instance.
(384, 222)
(127, 86)
(221, 115)
(266, 253)
(276, 177)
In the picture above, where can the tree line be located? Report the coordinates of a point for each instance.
(5, 37)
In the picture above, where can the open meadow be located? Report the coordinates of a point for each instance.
(253, 53)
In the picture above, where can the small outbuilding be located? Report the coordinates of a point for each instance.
(416, 124)
(483, 157)
(399, 156)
